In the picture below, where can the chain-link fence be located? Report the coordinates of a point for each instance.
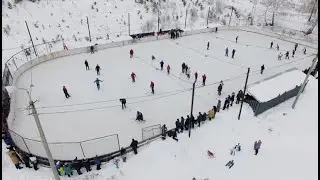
(69, 150)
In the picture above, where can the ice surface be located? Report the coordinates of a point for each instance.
(90, 113)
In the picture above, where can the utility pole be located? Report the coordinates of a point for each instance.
(89, 28)
(129, 23)
(208, 17)
(244, 93)
(305, 81)
(158, 18)
(230, 15)
(43, 138)
(31, 39)
(185, 21)
(193, 87)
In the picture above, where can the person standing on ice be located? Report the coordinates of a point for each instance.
(97, 81)
(152, 57)
(87, 65)
(262, 69)
(65, 91)
(271, 44)
(287, 55)
(97, 161)
(98, 69)
(257, 146)
(131, 53)
(237, 39)
(219, 89)
(293, 51)
(14, 158)
(188, 73)
(304, 51)
(208, 44)
(92, 49)
(152, 87)
(133, 77)
(295, 46)
(195, 76)
(183, 66)
(277, 47)
(233, 52)
(161, 65)
(227, 50)
(204, 77)
(123, 103)
(186, 68)
(168, 69)
(218, 105)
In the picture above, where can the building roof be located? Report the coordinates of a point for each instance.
(274, 86)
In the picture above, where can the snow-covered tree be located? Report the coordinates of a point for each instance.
(273, 6)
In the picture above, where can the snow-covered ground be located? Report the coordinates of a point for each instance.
(289, 148)
(90, 113)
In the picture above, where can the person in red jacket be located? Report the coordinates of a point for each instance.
(131, 53)
(168, 69)
(204, 77)
(152, 87)
(65, 91)
(133, 77)
(196, 76)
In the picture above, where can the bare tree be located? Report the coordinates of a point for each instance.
(272, 5)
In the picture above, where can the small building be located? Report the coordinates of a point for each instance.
(269, 92)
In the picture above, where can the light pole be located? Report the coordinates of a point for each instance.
(43, 138)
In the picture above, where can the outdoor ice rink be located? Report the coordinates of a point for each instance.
(90, 113)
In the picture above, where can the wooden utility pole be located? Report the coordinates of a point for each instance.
(244, 93)
(31, 39)
(191, 113)
(89, 28)
(185, 21)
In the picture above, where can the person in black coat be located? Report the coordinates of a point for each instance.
(228, 103)
(164, 131)
(204, 116)
(232, 98)
(271, 44)
(34, 162)
(123, 154)
(208, 44)
(139, 116)
(199, 119)
(76, 164)
(123, 103)
(98, 69)
(238, 98)
(262, 69)
(87, 165)
(87, 65)
(187, 122)
(26, 160)
(182, 124)
(161, 64)
(233, 52)
(134, 146)
(219, 89)
(218, 106)
(177, 125)
(91, 49)
(97, 161)
(293, 51)
(225, 103)
(183, 66)
(174, 135)
(287, 55)
(192, 121)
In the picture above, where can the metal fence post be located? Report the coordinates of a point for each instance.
(25, 144)
(82, 150)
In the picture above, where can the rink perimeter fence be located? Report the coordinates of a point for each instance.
(107, 146)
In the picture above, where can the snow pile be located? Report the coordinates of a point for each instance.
(269, 89)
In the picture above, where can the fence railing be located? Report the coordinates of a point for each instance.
(69, 150)
(26, 59)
